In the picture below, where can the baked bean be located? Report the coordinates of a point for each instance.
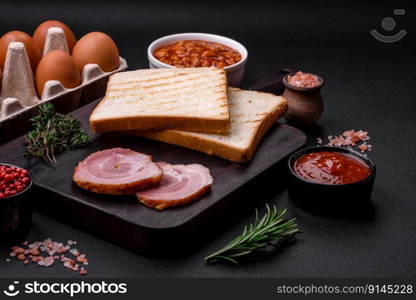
(195, 61)
(196, 53)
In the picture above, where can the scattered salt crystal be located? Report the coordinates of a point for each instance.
(41, 262)
(74, 252)
(33, 252)
(349, 138)
(34, 245)
(363, 147)
(49, 261)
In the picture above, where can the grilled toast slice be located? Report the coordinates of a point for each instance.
(193, 99)
(252, 114)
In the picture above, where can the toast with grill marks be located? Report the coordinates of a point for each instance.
(192, 99)
(252, 114)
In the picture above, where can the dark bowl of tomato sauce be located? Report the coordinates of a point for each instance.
(16, 198)
(330, 180)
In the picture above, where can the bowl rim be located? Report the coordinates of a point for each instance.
(204, 36)
(303, 89)
(294, 156)
(29, 186)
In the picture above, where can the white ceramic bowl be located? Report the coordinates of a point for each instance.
(235, 72)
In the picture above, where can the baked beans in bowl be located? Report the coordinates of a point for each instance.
(196, 53)
(187, 50)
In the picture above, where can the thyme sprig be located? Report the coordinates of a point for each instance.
(53, 133)
(256, 236)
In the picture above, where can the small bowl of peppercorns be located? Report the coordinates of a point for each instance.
(15, 203)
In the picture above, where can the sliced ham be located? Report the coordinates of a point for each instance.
(180, 185)
(117, 171)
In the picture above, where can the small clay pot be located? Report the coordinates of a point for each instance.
(305, 104)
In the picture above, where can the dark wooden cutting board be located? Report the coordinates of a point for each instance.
(124, 221)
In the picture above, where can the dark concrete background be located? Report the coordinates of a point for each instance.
(370, 86)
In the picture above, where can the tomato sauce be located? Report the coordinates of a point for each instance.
(331, 168)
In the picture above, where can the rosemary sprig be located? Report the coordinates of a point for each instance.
(53, 133)
(256, 236)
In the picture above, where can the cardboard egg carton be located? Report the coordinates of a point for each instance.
(18, 98)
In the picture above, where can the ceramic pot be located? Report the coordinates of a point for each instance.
(305, 104)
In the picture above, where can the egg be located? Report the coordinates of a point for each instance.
(32, 50)
(39, 36)
(57, 65)
(96, 48)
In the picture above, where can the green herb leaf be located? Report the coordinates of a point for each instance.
(270, 228)
(53, 133)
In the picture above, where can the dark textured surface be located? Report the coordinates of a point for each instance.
(369, 85)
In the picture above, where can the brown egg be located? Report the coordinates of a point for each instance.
(96, 48)
(32, 50)
(57, 65)
(40, 34)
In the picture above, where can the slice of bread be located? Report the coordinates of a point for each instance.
(252, 114)
(192, 99)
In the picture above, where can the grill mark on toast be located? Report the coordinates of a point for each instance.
(171, 74)
(214, 84)
(202, 93)
(163, 83)
(211, 87)
(154, 78)
(162, 78)
(149, 110)
(147, 88)
(186, 106)
(159, 95)
(171, 92)
(212, 92)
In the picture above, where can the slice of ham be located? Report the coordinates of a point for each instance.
(180, 185)
(117, 171)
